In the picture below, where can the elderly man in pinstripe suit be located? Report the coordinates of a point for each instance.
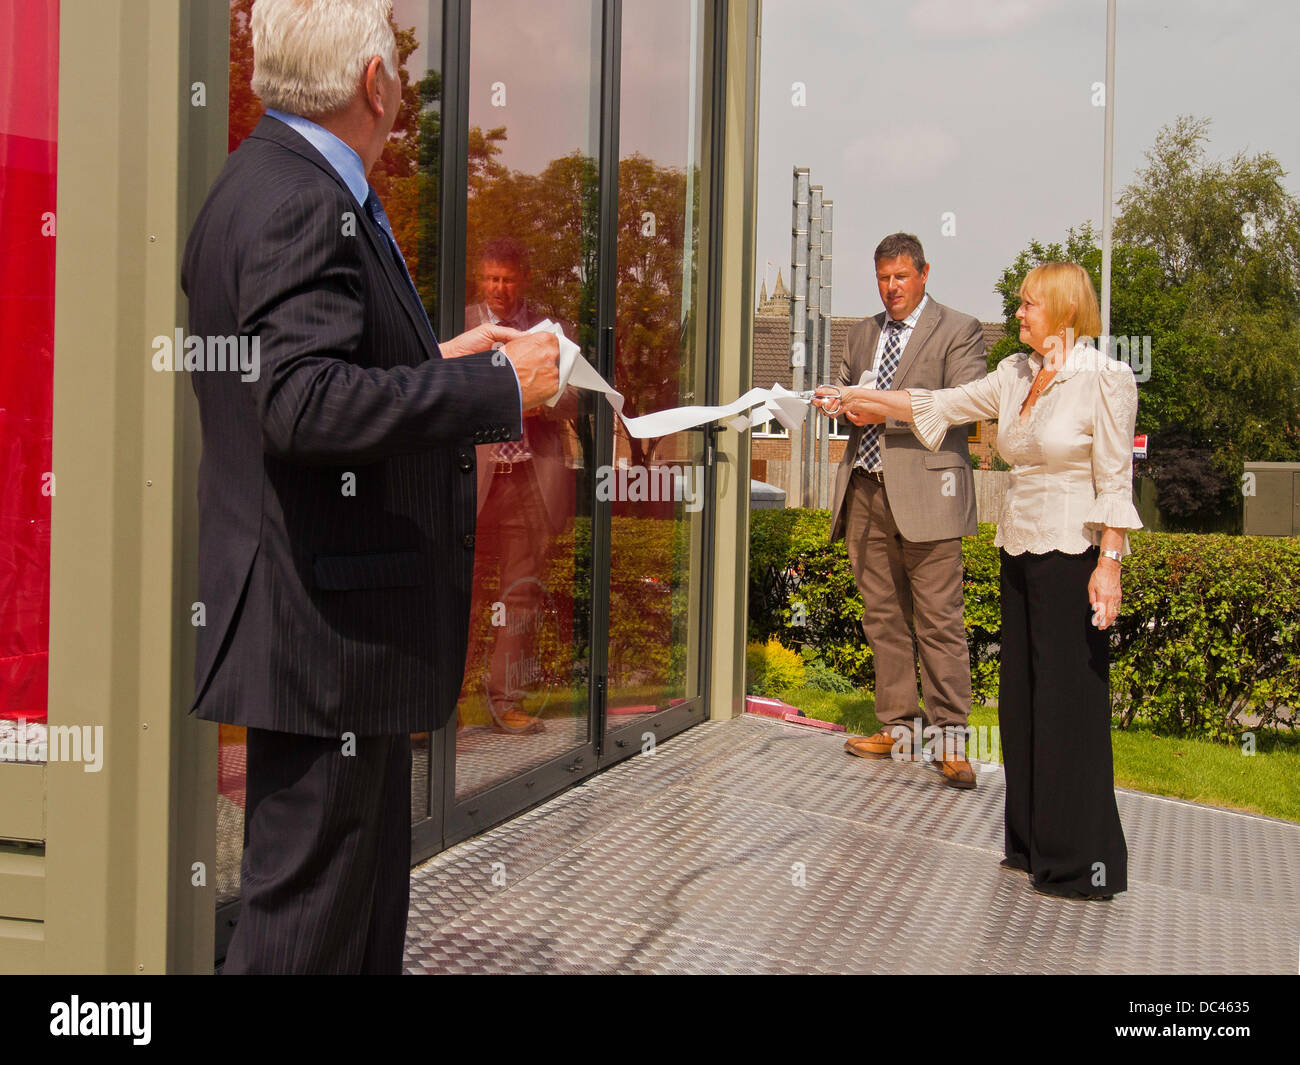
(336, 493)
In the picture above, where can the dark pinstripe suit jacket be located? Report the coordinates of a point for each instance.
(337, 490)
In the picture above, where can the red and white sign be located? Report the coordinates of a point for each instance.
(1140, 446)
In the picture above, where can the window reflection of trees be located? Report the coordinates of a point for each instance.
(555, 214)
(406, 176)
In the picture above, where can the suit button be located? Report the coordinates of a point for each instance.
(468, 540)
(465, 461)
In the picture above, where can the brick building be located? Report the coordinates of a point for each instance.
(770, 448)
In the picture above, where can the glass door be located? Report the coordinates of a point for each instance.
(584, 200)
(657, 486)
(523, 723)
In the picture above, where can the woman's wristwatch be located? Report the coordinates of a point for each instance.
(1113, 555)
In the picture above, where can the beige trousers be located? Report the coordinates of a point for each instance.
(904, 586)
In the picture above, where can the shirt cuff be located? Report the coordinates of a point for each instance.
(519, 389)
(1114, 510)
(928, 425)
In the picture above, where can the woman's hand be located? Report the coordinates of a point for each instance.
(853, 403)
(868, 406)
(1104, 592)
(861, 410)
(1103, 585)
(483, 337)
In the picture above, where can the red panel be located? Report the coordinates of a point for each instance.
(29, 86)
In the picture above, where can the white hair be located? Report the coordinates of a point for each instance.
(309, 55)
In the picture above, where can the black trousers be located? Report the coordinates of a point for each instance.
(1061, 820)
(325, 877)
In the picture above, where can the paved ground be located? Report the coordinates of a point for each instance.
(686, 860)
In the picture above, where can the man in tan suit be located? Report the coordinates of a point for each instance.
(525, 500)
(903, 511)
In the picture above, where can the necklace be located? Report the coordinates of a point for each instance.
(1041, 381)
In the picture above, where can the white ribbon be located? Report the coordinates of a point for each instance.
(777, 402)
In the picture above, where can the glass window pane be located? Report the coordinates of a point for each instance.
(531, 240)
(659, 483)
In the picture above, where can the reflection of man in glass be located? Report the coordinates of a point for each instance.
(525, 497)
(502, 283)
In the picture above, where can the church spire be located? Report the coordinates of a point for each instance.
(779, 301)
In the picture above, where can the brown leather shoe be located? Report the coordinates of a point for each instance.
(516, 722)
(880, 745)
(957, 772)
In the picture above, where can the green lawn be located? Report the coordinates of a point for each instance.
(1267, 782)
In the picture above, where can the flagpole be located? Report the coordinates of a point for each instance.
(1107, 180)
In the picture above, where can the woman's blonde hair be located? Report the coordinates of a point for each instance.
(309, 55)
(1065, 289)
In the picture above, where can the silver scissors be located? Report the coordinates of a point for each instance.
(835, 392)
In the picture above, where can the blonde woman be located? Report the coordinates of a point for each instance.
(1065, 416)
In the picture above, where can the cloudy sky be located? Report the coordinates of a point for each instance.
(983, 108)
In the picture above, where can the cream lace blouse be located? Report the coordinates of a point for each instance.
(1071, 464)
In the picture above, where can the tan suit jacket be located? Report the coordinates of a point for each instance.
(546, 434)
(945, 349)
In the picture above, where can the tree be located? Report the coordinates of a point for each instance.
(1079, 247)
(1231, 225)
(555, 214)
(1189, 489)
(1206, 263)
(1226, 236)
(244, 108)
(1142, 305)
(427, 186)
(653, 327)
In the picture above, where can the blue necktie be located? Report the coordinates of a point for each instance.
(375, 210)
(869, 457)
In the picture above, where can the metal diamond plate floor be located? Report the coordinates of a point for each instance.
(685, 860)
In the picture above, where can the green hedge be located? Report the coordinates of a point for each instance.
(801, 591)
(1209, 629)
(648, 598)
(772, 668)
